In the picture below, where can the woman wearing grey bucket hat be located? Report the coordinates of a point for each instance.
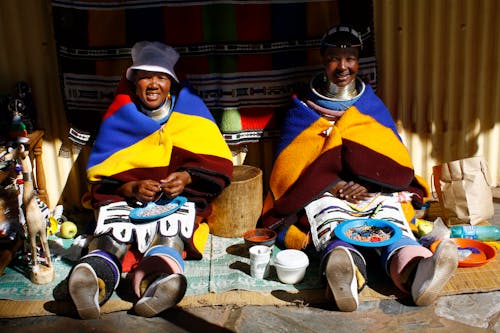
(158, 146)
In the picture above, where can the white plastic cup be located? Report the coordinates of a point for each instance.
(260, 256)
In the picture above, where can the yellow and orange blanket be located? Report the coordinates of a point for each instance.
(314, 154)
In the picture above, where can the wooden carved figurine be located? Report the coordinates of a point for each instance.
(36, 223)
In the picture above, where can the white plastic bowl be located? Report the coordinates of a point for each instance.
(291, 266)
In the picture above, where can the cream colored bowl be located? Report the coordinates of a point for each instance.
(291, 266)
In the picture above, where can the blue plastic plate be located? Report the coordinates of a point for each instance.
(155, 210)
(341, 231)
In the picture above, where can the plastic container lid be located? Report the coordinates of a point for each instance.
(291, 259)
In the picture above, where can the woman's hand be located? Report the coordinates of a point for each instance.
(174, 184)
(142, 190)
(350, 191)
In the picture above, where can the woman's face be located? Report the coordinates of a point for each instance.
(341, 64)
(152, 88)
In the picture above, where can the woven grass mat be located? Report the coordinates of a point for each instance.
(466, 280)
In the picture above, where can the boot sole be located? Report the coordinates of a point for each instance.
(446, 258)
(84, 291)
(167, 294)
(340, 275)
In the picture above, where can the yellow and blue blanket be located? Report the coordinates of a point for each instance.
(132, 146)
(313, 154)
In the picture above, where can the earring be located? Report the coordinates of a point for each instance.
(325, 78)
(169, 96)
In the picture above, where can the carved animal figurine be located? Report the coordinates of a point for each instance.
(36, 223)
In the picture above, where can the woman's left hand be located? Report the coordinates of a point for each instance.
(174, 184)
(353, 192)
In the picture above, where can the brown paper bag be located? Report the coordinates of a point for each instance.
(464, 192)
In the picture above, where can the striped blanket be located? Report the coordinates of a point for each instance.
(327, 212)
(241, 55)
(313, 155)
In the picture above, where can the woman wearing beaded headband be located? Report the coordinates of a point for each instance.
(341, 158)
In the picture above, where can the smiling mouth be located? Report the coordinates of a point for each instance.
(343, 76)
(152, 96)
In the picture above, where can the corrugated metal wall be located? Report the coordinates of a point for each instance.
(438, 73)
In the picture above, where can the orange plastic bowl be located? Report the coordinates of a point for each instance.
(259, 236)
(471, 252)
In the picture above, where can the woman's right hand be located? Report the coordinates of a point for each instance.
(142, 190)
